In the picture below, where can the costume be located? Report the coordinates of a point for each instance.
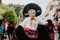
(32, 28)
(36, 32)
(32, 6)
(25, 31)
(50, 27)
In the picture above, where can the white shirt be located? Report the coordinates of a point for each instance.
(26, 23)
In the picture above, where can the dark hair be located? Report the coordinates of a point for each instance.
(50, 22)
(1, 22)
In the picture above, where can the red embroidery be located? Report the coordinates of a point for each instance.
(31, 33)
(51, 36)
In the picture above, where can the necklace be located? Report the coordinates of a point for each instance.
(31, 21)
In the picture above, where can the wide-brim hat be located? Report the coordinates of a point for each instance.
(32, 6)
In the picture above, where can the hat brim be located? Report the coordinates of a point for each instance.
(32, 6)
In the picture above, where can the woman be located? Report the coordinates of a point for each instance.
(29, 25)
(50, 27)
(1, 29)
(27, 30)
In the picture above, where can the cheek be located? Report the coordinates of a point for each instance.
(30, 14)
(34, 14)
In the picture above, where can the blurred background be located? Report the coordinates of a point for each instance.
(18, 5)
(12, 10)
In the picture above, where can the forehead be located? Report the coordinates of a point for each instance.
(32, 10)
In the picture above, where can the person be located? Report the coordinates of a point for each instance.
(1, 29)
(58, 20)
(50, 27)
(27, 30)
(30, 25)
(5, 24)
(10, 29)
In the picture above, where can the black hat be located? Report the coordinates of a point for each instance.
(32, 6)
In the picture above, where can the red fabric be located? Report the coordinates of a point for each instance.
(56, 23)
(50, 27)
(29, 34)
(56, 14)
(27, 29)
(58, 26)
(51, 33)
(51, 36)
(4, 24)
(13, 25)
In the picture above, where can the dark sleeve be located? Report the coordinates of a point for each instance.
(19, 32)
(42, 33)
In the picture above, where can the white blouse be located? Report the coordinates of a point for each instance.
(26, 23)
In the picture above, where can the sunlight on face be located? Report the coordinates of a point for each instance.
(32, 13)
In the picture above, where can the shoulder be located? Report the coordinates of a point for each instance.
(27, 18)
(38, 18)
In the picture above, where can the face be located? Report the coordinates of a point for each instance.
(32, 13)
